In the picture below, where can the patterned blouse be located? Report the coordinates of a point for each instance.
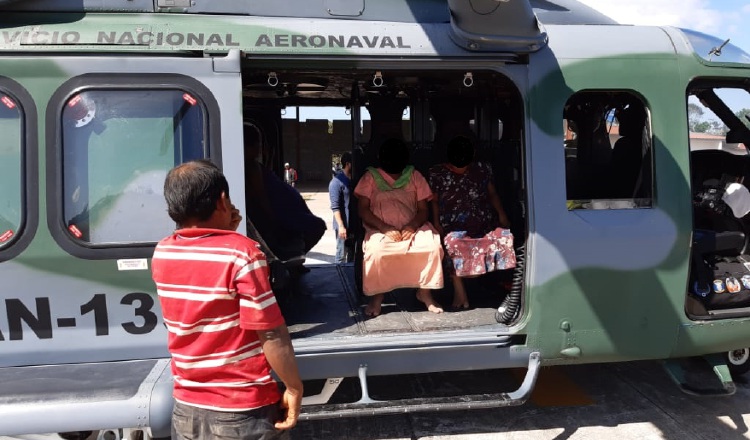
(463, 202)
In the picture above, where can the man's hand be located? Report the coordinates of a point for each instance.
(290, 403)
(342, 233)
(277, 346)
(236, 218)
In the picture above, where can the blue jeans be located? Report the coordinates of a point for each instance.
(344, 253)
(192, 423)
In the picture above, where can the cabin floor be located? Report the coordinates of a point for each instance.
(325, 303)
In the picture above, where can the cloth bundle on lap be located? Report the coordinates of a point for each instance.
(390, 265)
(477, 256)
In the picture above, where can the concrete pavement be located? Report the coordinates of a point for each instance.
(621, 401)
(625, 401)
(316, 196)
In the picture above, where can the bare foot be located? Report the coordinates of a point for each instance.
(425, 296)
(374, 306)
(372, 310)
(460, 304)
(434, 308)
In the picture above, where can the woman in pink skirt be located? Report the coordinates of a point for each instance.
(468, 214)
(401, 249)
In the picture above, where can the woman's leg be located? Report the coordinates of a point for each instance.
(460, 299)
(425, 296)
(374, 305)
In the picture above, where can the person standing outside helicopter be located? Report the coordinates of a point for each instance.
(225, 329)
(339, 192)
(290, 175)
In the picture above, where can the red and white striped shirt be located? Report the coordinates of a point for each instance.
(215, 294)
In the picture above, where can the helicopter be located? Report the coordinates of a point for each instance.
(630, 241)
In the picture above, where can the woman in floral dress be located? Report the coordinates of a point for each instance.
(468, 214)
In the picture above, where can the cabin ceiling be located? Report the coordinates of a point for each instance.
(318, 87)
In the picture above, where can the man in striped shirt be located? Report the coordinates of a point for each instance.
(226, 332)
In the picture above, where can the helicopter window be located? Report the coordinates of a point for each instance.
(712, 110)
(11, 143)
(117, 148)
(608, 160)
(710, 48)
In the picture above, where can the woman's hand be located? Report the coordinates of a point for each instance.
(504, 222)
(393, 233)
(408, 232)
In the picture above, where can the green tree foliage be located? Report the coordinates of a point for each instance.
(718, 127)
(700, 127)
(695, 116)
(699, 124)
(744, 114)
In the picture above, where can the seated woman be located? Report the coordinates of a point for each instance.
(468, 214)
(400, 249)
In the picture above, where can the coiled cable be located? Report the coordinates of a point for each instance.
(509, 307)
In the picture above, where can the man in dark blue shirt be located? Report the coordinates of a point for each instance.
(339, 191)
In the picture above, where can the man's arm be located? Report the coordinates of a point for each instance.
(277, 346)
(335, 194)
(257, 313)
(340, 222)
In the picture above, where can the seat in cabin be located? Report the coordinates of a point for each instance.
(627, 154)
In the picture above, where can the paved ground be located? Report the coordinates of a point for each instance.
(620, 401)
(591, 402)
(316, 196)
(615, 401)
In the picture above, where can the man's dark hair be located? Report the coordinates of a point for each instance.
(346, 158)
(192, 190)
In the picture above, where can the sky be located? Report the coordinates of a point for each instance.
(720, 18)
